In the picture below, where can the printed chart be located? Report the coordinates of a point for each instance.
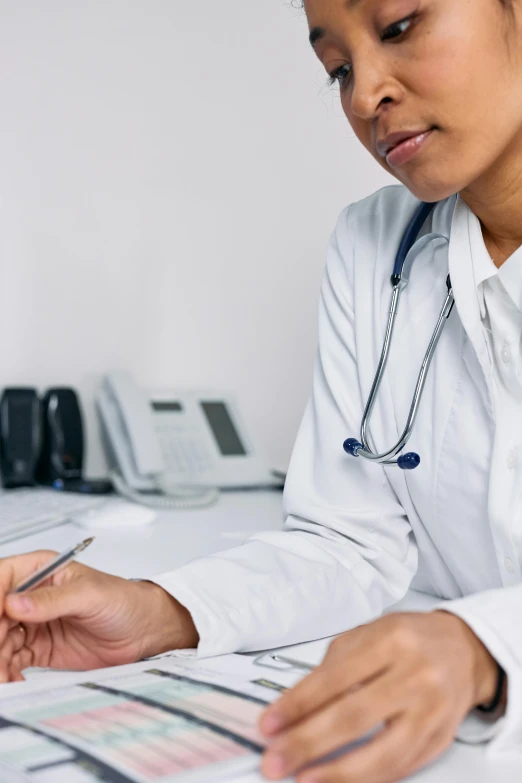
(155, 726)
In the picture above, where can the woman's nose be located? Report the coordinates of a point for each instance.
(373, 88)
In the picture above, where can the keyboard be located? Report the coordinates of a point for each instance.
(27, 511)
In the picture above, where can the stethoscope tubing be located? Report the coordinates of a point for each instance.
(388, 457)
(399, 282)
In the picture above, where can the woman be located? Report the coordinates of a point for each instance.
(432, 89)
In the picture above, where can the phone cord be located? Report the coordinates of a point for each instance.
(173, 496)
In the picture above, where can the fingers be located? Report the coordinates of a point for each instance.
(12, 645)
(405, 672)
(343, 722)
(5, 624)
(438, 742)
(46, 604)
(14, 569)
(15, 675)
(347, 665)
(9, 674)
(26, 658)
(396, 752)
(14, 642)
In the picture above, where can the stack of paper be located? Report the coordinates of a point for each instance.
(169, 719)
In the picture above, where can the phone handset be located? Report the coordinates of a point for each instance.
(133, 447)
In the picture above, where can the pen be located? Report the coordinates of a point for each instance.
(53, 566)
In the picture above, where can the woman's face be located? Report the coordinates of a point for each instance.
(451, 69)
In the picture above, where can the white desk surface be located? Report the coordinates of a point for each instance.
(174, 538)
(177, 537)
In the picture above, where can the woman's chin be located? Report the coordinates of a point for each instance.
(430, 189)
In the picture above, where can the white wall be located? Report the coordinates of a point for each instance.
(170, 171)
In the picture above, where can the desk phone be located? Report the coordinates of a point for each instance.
(187, 438)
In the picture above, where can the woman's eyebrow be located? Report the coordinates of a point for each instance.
(318, 33)
(315, 35)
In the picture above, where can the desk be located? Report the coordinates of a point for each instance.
(179, 536)
(175, 538)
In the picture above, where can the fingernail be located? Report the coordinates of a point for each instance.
(20, 603)
(271, 723)
(274, 765)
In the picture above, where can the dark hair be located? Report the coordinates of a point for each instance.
(504, 3)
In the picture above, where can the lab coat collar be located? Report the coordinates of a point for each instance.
(510, 275)
(483, 266)
(462, 274)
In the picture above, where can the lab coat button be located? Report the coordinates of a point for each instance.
(508, 564)
(505, 353)
(512, 459)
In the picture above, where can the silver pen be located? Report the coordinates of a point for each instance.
(53, 566)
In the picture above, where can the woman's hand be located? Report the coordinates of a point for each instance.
(415, 675)
(84, 619)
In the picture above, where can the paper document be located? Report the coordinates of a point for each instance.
(163, 720)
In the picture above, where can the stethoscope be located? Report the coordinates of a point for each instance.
(399, 280)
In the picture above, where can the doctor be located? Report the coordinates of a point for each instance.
(432, 89)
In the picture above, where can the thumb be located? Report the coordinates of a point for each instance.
(45, 604)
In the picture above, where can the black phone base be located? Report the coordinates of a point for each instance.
(83, 486)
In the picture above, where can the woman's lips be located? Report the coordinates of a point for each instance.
(405, 151)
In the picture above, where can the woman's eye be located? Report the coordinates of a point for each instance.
(340, 75)
(396, 29)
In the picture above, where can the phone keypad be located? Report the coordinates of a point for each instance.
(184, 455)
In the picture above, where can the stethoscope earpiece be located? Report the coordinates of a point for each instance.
(408, 461)
(352, 446)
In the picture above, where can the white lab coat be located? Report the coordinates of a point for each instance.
(358, 536)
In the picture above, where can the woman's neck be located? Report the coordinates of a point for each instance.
(498, 249)
(497, 202)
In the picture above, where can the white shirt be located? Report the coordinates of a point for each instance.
(357, 536)
(500, 301)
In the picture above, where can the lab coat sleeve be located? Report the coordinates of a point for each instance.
(494, 616)
(347, 550)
